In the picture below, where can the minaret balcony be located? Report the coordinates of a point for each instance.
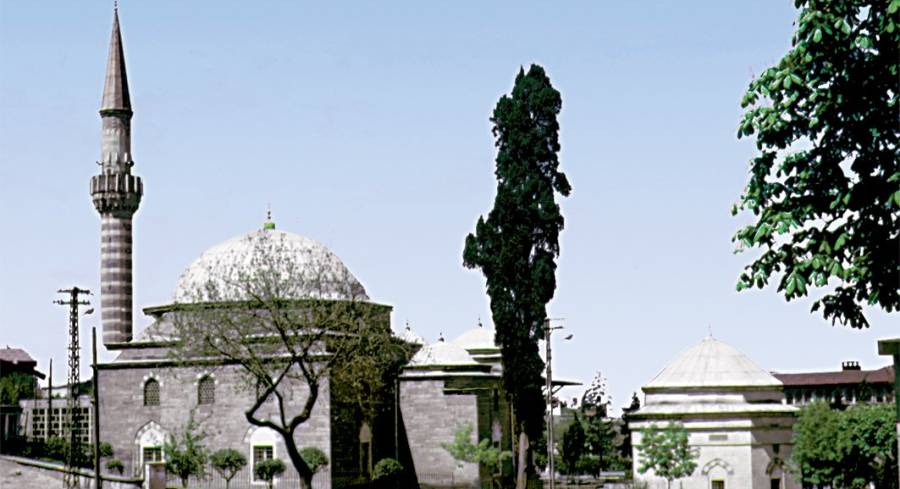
(116, 192)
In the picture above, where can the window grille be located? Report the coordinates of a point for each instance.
(153, 454)
(718, 484)
(206, 391)
(151, 393)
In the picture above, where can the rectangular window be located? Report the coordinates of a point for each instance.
(718, 484)
(775, 484)
(260, 453)
(718, 437)
(153, 454)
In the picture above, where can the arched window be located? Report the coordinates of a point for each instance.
(206, 390)
(151, 392)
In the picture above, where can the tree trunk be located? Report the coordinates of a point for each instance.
(521, 475)
(297, 461)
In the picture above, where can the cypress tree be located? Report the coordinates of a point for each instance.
(517, 245)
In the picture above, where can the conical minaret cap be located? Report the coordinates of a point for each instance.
(115, 89)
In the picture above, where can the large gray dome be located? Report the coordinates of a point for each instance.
(305, 268)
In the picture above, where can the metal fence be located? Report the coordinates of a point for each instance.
(243, 480)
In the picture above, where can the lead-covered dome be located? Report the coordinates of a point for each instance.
(267, 262)
(712, 363)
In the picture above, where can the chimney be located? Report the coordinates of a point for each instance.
(850, 365)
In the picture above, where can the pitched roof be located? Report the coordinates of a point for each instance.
(880, 376)
(15, 355)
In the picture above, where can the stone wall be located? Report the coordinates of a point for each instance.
(430, 418)
(124, 418)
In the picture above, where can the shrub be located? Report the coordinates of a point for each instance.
(228, 462)
(387, 472)
(56, 449)
(314, 458)
(106, 449)
(268, 470)
(115, 465)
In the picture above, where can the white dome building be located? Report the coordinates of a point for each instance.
(311, 269)
(734, 413)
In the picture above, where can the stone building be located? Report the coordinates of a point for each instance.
(734, 414)
(148, 395)
(448, 386)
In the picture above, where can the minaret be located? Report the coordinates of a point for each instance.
(117, 195)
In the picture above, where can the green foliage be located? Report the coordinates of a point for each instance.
(463, 450)
(850, 448)
(185, 453)
(16, 386)
(666, 452)
(573, 447)
(106, 450)
(825, 185)
(56, 448)
(516, 246)
(268, 470)
(228, 462)
(387, 469)
(314, 457)
(115, 465)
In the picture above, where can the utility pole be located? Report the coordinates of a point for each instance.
(70, 478)
(49, 430)
(98, 482)
(548, 330)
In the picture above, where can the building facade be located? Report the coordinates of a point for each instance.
(849, 385)
(733, 411)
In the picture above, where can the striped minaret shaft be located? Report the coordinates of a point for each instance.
(117, 195)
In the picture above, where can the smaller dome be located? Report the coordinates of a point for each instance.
(441, 354)
(409, 336)
(479, 338)
(712, 363)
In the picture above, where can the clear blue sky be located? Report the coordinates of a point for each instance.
(366, 127)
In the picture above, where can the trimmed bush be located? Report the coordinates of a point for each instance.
(115, 465)
(387, 473)
(268, 470)
(314, 458)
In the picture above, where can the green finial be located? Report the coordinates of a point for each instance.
(269, 224)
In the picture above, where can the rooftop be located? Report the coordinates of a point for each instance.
(712, 363)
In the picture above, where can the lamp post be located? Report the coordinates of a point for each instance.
(548, 330)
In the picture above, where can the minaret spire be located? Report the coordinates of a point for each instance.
(116, 194)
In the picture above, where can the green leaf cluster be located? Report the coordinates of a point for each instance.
(517, 244)
(228, 462)
(16, 386)
(667, 452)
(268, 470)
(825, 184)
(387, 469)
(463, 450)
(185, 453)
(314, 457)
(852, 448)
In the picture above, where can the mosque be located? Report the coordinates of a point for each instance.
(146, 395)
(734, 411)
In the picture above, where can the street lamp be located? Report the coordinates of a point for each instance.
(548, 330)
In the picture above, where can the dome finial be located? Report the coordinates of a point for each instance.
(269, 224)
(441, 337)
(709, 335)
(479, 322)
